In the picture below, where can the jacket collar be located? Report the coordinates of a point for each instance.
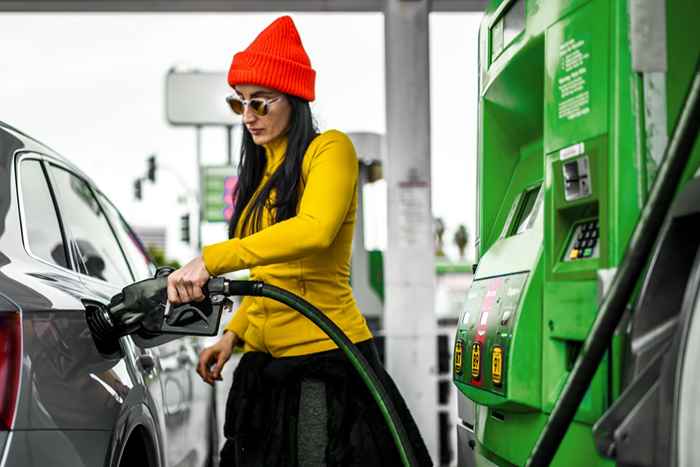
(275, 151)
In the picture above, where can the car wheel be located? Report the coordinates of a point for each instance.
(138, 450)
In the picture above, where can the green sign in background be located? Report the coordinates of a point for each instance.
(216, 197)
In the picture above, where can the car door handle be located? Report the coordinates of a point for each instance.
(146, 362)
(185, 358)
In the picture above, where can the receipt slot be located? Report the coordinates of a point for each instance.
(577, 183)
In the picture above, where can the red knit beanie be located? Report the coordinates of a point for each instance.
(276, 59)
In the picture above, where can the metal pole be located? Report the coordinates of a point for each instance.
(369, 146)
(229, 145)
(409, 321)
(200, 185)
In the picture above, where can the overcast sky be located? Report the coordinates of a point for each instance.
(91, 87)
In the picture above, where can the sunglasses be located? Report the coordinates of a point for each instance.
(260, 105)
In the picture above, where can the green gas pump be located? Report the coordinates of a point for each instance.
(571, 132)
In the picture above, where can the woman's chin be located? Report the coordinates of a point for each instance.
(261, 139)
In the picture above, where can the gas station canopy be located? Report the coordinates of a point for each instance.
(229, 5)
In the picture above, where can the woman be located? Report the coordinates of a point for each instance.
(294, 398)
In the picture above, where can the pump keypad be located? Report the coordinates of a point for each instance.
(584, 241)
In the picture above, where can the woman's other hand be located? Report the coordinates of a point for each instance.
(216, 355)
(185, 284)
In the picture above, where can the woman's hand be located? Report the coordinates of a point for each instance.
(217, 355)
(185, 284)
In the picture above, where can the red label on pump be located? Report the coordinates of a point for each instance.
(482, 327)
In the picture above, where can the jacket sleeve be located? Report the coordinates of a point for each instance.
(239, 322)
(330, 188)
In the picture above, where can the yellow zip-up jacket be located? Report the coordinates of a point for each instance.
(308, 254)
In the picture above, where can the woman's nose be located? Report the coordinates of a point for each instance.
(249, 115)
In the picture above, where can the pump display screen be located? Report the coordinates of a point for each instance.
(507, 28)
(526, 210)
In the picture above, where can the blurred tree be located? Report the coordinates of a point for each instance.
(461, 239)
(439, 232)
(159, 259)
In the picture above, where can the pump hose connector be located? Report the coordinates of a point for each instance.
(221, 285)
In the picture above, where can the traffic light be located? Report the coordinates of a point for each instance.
(151, 174)
(185, 228)
(137, 189)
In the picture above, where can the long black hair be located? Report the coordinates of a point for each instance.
(285, 182)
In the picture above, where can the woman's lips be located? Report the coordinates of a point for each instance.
(255, 131)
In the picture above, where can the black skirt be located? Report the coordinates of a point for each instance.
(263, 407)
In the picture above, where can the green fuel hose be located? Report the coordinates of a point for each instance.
(358, 361)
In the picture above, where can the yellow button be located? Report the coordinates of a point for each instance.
(476, 360)
(459, 356)
(497, 365)
(573, 254)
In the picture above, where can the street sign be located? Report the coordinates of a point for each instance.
(219, 183)
(198, 98)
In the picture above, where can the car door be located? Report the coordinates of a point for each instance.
(101, 261)
(70, 393)
(186, 421)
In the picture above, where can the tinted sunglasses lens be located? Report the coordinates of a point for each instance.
(259, 106)
(236, 105)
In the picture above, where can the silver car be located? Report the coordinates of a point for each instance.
(64, 400)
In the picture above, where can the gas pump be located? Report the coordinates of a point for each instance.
(570, 124)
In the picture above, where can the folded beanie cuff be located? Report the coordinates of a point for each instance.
(273, 72)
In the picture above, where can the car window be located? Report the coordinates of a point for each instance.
(133, 248)
(99, 253)
(44, 237)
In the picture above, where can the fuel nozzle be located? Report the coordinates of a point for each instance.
(139, 307)
(142, 308)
